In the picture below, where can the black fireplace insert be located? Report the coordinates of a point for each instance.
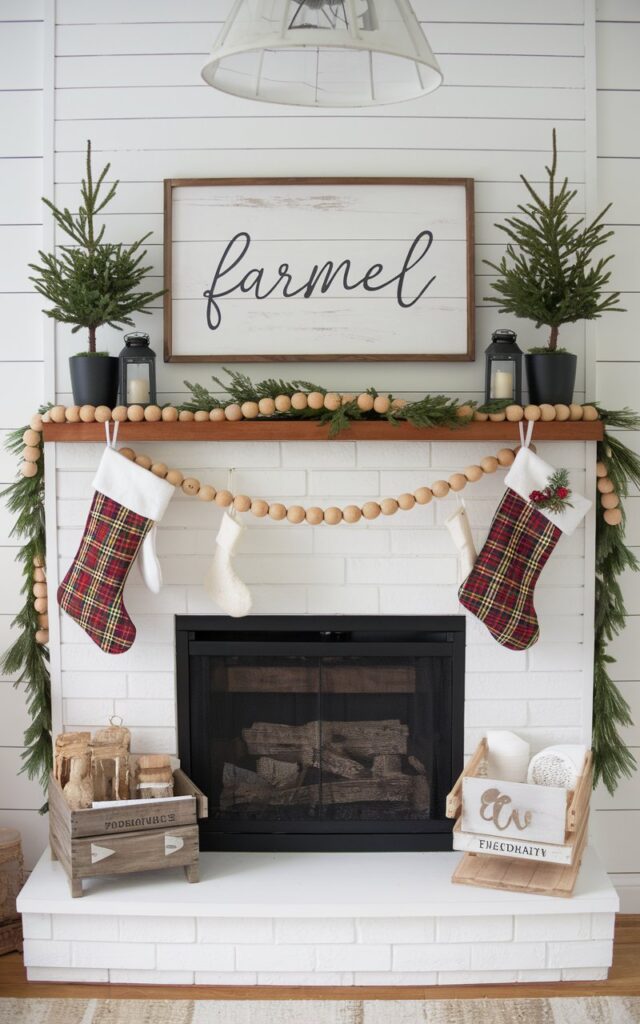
(322, 733)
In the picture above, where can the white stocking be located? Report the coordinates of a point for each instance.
(460, 529)
(221, 582)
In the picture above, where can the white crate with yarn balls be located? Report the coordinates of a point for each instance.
(525, 836)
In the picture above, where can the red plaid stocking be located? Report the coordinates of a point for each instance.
(499, 589)
(127, 502)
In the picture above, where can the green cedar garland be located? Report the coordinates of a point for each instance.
(548, 273)
(26, 659)
(29, 661)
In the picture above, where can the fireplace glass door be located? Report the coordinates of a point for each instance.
(318, 740)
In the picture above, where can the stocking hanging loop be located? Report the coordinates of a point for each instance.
(111, 441)
(525, 439)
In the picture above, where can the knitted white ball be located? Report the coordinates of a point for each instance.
(557, 766)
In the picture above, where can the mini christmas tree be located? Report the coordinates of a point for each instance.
(92, 282)
(548, 273)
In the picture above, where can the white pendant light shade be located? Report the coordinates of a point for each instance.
(323, 53)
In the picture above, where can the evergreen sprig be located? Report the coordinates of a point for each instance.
(92, 282)
(549, 273)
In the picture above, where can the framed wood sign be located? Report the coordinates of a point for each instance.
(311, 269)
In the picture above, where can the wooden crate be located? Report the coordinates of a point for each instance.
(516, 853)
(139, 836)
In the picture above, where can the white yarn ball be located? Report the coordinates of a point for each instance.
(557, 766)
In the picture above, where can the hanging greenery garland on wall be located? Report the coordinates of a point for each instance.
(618, 468)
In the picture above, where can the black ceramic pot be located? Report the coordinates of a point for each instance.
(94, 380)
(551, 377)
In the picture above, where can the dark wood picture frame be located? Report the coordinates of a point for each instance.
(467, 355)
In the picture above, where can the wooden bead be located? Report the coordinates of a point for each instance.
(314, 515)
(398, 403)
(299, 401)
(601, 469)
(547, 413)
(295, 514)
(371, 510)
(217, 415)
(266, 406)
(41, 604)
(562, 413)
(36, 423)
(259, 508)
(42, 636)
(175, 477)
(144, 460)
(589, 413)
(505, 457)
(224, 499)
(207, 493)
(473, 474)
(233, 412)
(31, 454)
(464, 412)
(57, 414)
(381, 404)
(440, 488)
(613, 516)
(514, 413)
(72, 414)
(186, 416)
(119, 414)
(170, 414)
(28, 469)
(489, 464)
(250, 410)
(423, 495)
(38, 562)
(242, 502)
(46, 417)
(103, 414)
(43, 621)
(190, 486)
(365, 404)
(282, 404)
(605, 485)
(277, 511)
(498, 417)
(87, 414)
(389, 506)
(159, 469)
(480, 417)
(532, 412)
(153, 413)
(406, 501)
(315, 400)
(39, 589)
(39, 576)
(346, 400)
(332, 401)
(576, 412)
(127, 453)
(135, 413)
(351, 514)
(611, 500)
(201, 416)
(332, 516)
(458, 481)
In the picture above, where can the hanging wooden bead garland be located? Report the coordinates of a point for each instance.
(315, 515)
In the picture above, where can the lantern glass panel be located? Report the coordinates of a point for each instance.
(503, 378)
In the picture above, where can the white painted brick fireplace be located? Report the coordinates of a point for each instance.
(251, 920)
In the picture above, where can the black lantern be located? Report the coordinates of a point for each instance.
(137, 370)
(503, 368)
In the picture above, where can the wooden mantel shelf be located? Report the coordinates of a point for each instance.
(304, 430)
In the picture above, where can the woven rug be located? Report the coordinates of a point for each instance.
(606, 1010)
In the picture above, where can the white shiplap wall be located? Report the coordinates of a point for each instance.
(127, 76)
(617, 821)
(21, 352)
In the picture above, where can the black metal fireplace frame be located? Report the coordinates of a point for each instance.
(224, 638)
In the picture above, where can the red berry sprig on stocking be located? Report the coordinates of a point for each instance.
(554, 496)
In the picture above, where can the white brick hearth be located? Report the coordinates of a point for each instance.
(339, 919)
(313, 919)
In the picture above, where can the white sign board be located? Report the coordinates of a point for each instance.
(514, 809)
(312, 270)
